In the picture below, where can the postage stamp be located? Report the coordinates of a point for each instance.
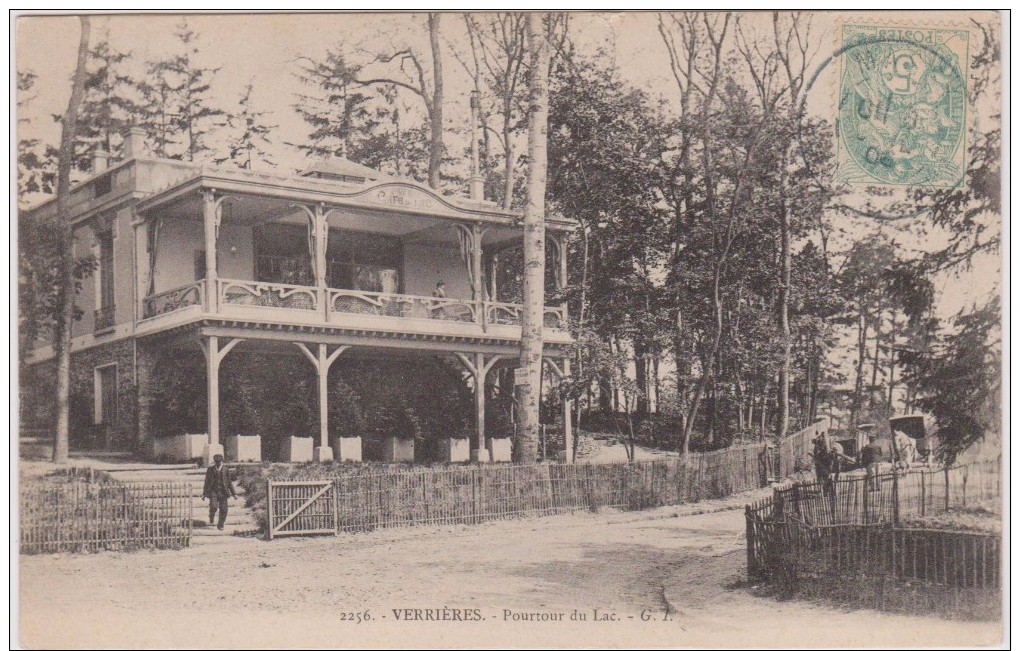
(902, 112)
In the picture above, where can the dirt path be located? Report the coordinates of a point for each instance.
(290, 593)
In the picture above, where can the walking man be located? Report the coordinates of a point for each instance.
(218, 488)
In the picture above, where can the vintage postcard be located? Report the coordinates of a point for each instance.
(509, 329)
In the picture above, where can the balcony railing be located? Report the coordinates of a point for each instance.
(251, 294)
(174, 299)
(402, 305)
(254, 294)
(104, 317)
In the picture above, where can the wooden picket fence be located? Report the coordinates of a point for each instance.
(83, 516)
(841, 533)
(399, 497)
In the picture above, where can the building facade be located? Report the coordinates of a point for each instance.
(339, 262)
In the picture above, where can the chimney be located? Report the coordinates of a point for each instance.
(100, 161)
(476, 184)
(134, 143)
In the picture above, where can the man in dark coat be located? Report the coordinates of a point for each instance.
(218, 488)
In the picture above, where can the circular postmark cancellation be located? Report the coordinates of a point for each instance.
(902, 112)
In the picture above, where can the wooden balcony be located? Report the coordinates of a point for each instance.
(304, 305)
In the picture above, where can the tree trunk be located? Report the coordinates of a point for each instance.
(862, 353)
(526, 448)
(65, 320)
(783, 422)
(641, 376)
(436, 117)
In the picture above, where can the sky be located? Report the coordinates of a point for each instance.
(264, 49)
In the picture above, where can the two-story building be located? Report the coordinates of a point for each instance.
(339, 262)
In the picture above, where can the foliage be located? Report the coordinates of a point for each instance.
(111, 104)
(959, 378)
(176, 93)
(248, 141)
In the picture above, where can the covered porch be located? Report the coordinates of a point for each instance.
(325, 396)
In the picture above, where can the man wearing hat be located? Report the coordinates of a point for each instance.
(218, 488)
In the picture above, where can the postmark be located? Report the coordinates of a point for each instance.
(902, 106)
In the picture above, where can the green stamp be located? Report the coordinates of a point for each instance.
(902, 112)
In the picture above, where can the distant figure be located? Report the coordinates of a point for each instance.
(439, 311)
(872, 456)
(820, 457)
(836, 459)
(218, 488)
(905, 449)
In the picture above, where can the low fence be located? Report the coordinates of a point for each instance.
(863, 543)
(83, 516)
(889, 497)
(362, 501)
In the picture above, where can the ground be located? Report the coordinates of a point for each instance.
(682, 570)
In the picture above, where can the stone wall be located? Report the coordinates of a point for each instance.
(38, 406)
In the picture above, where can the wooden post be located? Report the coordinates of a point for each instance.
(211, 222)
(213, 391)
(480, 373)
(476, 265)
(568, 415)
(322, 369)
(322, 363)
(269, 505)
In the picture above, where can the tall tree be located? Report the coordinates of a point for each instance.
(431, 94)
(67, 262)
(110, 104)
(529, 393)
(337, 107)
(249, 135)
(36, 161)
(498, 62)
(179, 112)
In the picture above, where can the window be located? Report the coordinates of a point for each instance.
(105, 384)
(364, 261)
(105, 311)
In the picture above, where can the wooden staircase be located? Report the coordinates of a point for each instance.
(239, 519)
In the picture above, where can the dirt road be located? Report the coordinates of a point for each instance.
(524, 581)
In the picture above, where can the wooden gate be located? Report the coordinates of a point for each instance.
(301, 508)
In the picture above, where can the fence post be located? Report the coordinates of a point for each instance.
(336, 507)
(269, 504)
(946, 474)
(924, 478)
(895, 496)
(752, 567)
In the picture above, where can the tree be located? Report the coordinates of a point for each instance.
(36, 162)
(337, 107)
(958, 380)
(67, 262)
(179, 114)
(529, 393)
(249, 135)
(431, 95)
(110, 105)
(498, 61)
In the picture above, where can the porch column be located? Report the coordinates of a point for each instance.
(476, 263)
(211, 220)
(568, 414)
(479, 369)
(322, 361)
(213, 356)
